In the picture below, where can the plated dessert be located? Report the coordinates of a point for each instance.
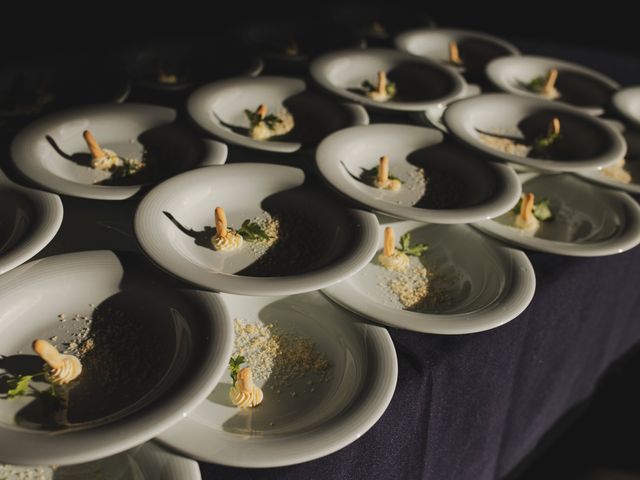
(119, 355)
(564, 215)
(109, 152)
(386, 79)
(553, 79)
(322, 376)
(276, 114)
(534, 133)
(279, 235)
(464, 50)
(445, 279)
(415, 173)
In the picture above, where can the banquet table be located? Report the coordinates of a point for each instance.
(465, 406)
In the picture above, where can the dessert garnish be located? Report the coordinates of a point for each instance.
(541, 145)
(164, 76)
(545, 85)
(541, 210)
(381, 92)
(62, 369)
(618, 172)
(526, 220)
(108, 160)
(292, 49)
(454, 54)
(243, 393)
(263, 126)
(397, 260)
(225, 238)
(379, 176)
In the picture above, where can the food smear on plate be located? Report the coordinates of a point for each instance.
(529, 214)
(618, 172)
(545, 85)
(243, 393)
(379, 176)
(225, 238)
(263, 126)
(454, 55)
(286, 363)
(61, 368)
(108, 160)
(390, 258)
(382, 91)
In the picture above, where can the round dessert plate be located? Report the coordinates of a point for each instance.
(176, 66)
(476, 48)
(607, 176)
(472, 283)
(509, 127)
(317, 410)
(146, 462)
(626, 103)
(420, 83)
(576, 85)
(588, 221)
(442, 182)
(220, 109)
(318, 241)
(52, 151)
(150, 353)
(29, 219)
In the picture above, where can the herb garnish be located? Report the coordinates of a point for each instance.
(541, 209)
(370, 87)
(405, 246)
(255, 118)
(252, 231)
(234, 367)
(129, 167)
(22, 386)
(372, 173)
(537, 84)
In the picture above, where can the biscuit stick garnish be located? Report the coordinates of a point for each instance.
(262, 110)
(64, 368)
(383, 170)
(389, 242)
(550, 81)
(554, 126)
(526, 207)
(454, 54)
(382, 82)
(221, 222)
(94, 148)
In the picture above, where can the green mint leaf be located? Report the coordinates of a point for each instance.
(366, 84)
(271, 121)
(405, 241)
(234, 367)
(371, 173)
(252, 231)
(20, 386)
(541, 209)
(537, 84)
(405, 246)
(391, 89)
(542, 144)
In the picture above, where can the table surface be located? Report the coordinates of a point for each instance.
(465, 406)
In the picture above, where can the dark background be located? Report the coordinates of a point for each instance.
(37, 28)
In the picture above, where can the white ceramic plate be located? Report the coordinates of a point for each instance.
(193, 61)
(632, 165)
(322, 416)
(188, 335)
(29, 219)
(626, 102)
(460, 186)
(432, 116)
(146, 462)
(476, 48)
(219, 108)
(52, 152)
(586, 142)
(477, 284)
(578, 86)
(175, 222)
(420, 83)
(590, 221)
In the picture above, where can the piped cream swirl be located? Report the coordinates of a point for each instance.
(397, 261)
(69, 371)
(230, 241)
